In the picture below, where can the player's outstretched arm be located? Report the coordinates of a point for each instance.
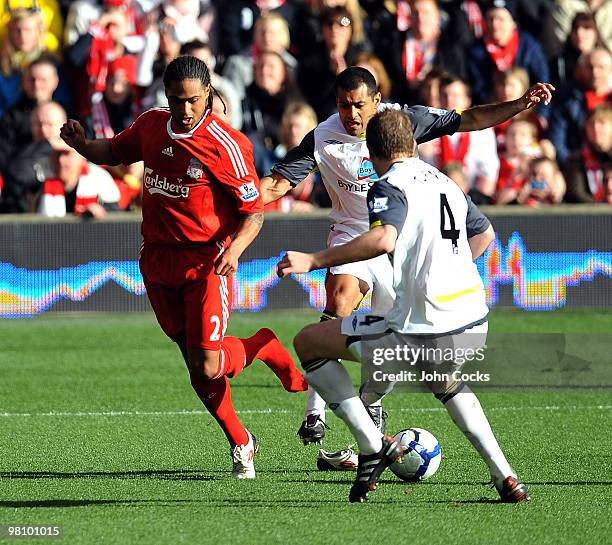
(97, 151)
(248, 229)
(480, 242)
(376, 242)
(489, 115)
(274, 187)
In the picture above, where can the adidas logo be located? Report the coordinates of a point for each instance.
(168, 151)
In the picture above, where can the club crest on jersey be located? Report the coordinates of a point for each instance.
(378, 204)
(248, 192)
(173, 189)
(366, 170)
(195, 169)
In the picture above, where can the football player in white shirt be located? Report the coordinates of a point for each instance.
(433, 233)
(338, 149)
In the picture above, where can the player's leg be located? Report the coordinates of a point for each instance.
(383, 297)
(319, 346)
(343, 292)
(466, 412)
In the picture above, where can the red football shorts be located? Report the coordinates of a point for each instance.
(186, 294)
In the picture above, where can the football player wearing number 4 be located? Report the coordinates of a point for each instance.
(201, 208)
(337, 148)
(433, 232)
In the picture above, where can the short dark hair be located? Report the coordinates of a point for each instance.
(44, 59)
(353, 77)
(186, 67)
(336, 14)
(389, 134)
(449, 79)
(187, 48)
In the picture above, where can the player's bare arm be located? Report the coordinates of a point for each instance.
(480, 242)
(489, 115)
(378, 241)
(97, 151)
(274, 187)
(248, 229)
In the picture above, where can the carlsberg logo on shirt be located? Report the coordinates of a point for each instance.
(154, 184)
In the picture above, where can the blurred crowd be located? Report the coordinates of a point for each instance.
(273, 64)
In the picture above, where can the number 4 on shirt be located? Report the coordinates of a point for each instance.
(451, 234)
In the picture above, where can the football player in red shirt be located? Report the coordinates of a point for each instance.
(201, 208)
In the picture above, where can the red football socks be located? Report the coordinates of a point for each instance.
(217, 398)
(264, 345)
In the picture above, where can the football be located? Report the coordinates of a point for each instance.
(422, 455)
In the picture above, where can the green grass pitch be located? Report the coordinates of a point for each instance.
(102, 434)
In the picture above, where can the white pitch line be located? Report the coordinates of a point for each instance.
(196, 412)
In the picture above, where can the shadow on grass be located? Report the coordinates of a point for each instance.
(37, 504)
(163, 474)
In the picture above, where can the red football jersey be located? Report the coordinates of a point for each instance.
(196, 185)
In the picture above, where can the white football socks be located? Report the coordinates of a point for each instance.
(335, 386)
(315, 404)
(466, 411)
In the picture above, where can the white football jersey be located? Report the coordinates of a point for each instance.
(438, 288)
(347, 172)
(344, 161)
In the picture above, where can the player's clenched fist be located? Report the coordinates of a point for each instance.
(73, 134)
(295, 262)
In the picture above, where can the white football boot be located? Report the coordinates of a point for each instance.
(242, 459)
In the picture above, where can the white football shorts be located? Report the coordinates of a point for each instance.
(377, 273)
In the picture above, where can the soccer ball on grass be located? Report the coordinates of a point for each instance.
(422, 455)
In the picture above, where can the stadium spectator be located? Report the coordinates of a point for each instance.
(201, 210)
(271, 34)
(456, 172)
(583, 39)
(92, 53)
(307, 36)
(184, 15)
(571, 107)
(543, 185)
(510, 85)
(22, 43)
(429, 88)
(49, 14)
(373, 64)
(318, 70)
(83, 13)
(476, 151)
(264, 104)
(40, 81)
(237, 21)
(76, 186)
(298, 120)
(587, 171)
(114, 109)
(565, 11)
(224, 86)
(25, 172)
(502, 47)
(152, 74)
(522, 146)
(410, 55)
